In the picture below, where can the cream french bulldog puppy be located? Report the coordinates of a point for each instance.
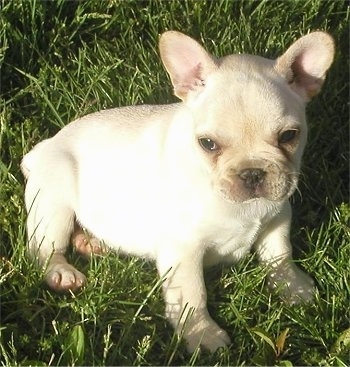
(187, 184)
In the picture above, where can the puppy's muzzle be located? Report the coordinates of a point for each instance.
(265, 180)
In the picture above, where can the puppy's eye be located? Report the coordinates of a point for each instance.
(208, 145)
(287, 136)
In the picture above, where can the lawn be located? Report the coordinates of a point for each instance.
(63, 59)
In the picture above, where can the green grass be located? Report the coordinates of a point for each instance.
(63, 59)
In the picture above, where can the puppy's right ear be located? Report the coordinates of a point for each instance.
(187, 63)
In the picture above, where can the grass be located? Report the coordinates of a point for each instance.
(63, 59)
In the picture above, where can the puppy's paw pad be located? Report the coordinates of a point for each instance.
(64, 277)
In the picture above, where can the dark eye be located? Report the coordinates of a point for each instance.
(287, 136)
(208, 145)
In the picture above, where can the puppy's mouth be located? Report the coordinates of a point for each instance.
(255, 183)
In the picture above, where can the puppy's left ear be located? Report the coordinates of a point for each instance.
(187, 63)
(306, 62)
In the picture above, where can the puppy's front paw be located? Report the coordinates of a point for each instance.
(295, 285)
(204, 332)
(64, 277)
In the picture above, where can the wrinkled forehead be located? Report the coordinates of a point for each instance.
(246, 88)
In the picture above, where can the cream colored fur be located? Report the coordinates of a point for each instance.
(186, 184)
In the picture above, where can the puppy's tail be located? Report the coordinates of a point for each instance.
(30, 159)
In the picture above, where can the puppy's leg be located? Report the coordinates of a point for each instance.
(50, 224)
(274, 249)
(85, 243)
(185, 298)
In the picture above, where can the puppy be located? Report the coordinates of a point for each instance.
(187, 184)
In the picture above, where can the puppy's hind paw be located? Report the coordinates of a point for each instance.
(64, 277)
(85, 244)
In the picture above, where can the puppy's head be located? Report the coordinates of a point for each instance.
(248, 113)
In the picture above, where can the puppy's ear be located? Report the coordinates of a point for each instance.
(306, 62)
(186, 61)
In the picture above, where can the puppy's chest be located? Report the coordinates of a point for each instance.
(235, 235)
(239, 237)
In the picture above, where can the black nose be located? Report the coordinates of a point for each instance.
(252, 177)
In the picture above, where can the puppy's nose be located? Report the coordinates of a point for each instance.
(252, 177)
